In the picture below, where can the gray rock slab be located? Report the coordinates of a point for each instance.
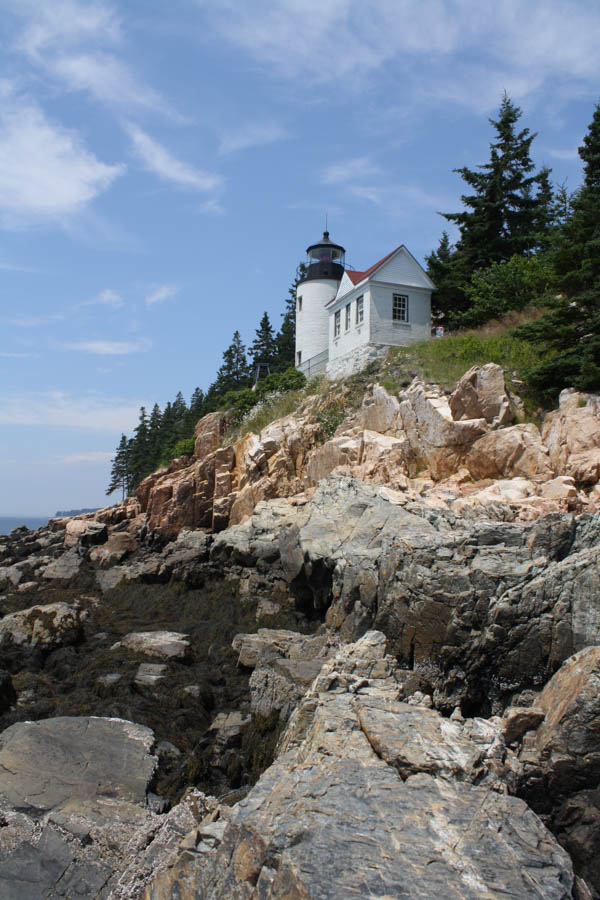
(48, 764)
(149, 674)
(162, 644)
(47, 625)
(63, 568)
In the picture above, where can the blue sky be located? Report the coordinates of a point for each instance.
(163, 168)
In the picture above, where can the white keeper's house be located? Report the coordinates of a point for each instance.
(345, 318)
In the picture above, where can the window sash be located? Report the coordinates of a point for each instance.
(360, 310)
(337, 324)
(348, 316)
(400, 307)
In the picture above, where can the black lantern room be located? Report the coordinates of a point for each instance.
(324, 260)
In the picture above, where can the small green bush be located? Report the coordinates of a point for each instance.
(503, 287)
(183, 447)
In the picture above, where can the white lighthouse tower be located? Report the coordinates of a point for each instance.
(324, 271)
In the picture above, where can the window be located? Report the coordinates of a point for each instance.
(347, 324)
(337, 324)
(299, 304)
(360, 310)
(298, 357)
(400, 308)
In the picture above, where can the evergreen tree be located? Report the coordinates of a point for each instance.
(509, 204)
(286, 337)
(154, 435)
(119, 473)
(509, 211)
(570, 331)
(446, 268)
(195, 412)
(140, 464)
(264, 346)
(234, 372)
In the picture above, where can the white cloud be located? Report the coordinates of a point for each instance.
(9, 355)
(159, 293)
(68, 40)
(94, 456)
(63, 22)
(57, 408)
(252, 135)
(108, 79)
(349, 170)
(107, 297)
(46, 174)
(108, 348)
(423, 46)
(158, 160)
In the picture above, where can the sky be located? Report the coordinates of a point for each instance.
(163, 168)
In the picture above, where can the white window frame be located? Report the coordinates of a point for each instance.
(400, 308)
(348, 321)
(360, 309)
(337, 324)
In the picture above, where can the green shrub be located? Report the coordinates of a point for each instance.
(183, 447)
(330, 419)
(503, 287)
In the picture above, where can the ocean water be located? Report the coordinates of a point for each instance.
(8, 523)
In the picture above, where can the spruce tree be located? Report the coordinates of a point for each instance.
(119, 473)
(234, 372)
(264, 346)
(286, 337)
(448, 271)
(140, 464)
(509, 203)
(509, 211)
(570, 331)
(154, 434)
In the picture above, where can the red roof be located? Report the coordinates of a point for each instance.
(355, 277)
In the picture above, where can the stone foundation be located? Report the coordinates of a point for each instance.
(355, 361)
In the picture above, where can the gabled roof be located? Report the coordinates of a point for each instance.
(358, 277)
(355, 277)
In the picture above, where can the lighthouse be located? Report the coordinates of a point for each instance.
(324, 270)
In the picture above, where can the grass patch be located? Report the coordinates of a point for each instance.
(445, 360)
(273, 406)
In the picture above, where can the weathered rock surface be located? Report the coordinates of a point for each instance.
(482, 393)
(334, 818)
(390, 440)
(72, 795)
(44, 626)
(565, 753)
(484, 602)
(517, 450)
(572, 436)
(162, 644)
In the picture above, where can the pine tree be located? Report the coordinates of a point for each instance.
(286, 337)
(448, 271)
(570, 331)
(119, 473)
(264, 346)
(195, 412)
(510, 211)
(510, 203)
(140, 464)
(234, 372)
(154, 435)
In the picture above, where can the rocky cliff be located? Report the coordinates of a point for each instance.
(395, 625)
